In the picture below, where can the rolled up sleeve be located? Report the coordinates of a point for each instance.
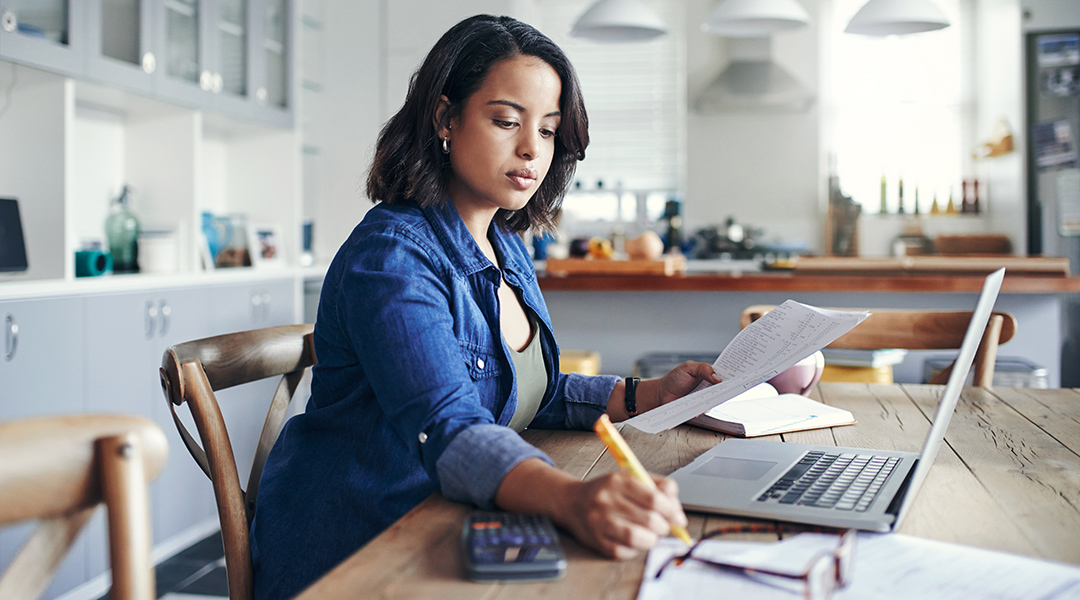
(472, 466)
(579, 402)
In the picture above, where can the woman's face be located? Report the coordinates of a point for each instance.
(502, 142)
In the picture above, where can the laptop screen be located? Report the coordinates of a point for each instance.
(979, 317)
(12, 245)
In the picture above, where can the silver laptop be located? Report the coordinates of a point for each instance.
(831, 486)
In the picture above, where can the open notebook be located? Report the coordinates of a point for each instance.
(762, 411)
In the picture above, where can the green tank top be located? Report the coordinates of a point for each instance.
(531, 381)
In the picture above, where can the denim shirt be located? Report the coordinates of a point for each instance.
(411, 395)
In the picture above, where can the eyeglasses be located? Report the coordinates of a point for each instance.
(823, 574)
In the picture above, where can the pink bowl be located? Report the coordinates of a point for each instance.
(801, 377)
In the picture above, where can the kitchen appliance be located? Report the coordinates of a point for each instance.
(1052, 82)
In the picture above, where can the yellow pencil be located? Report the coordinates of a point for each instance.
(626, 459)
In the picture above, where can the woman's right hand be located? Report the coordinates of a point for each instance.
(620, 517)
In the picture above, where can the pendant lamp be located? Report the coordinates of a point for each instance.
(755, 18)
(897, 17)
(619, 21)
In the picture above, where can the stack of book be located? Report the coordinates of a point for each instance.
(864, 366)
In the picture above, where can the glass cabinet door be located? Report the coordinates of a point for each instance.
(41, 33)
(119, 34)
(182, 51)
(183, 71)
(274, 91)
(232, 48)
(274, 63)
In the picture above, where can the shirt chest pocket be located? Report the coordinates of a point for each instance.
(481, 362)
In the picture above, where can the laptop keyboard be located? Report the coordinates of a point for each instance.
(836, 481)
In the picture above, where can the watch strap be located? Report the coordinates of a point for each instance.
(630, 399)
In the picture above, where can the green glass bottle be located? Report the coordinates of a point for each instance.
(122, 231)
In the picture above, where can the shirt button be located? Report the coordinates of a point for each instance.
(423, 437)
(479, 363)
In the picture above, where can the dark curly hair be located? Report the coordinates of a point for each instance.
(409, 165)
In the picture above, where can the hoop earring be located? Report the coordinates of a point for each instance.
(446, 145)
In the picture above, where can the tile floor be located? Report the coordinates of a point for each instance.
(195, 573)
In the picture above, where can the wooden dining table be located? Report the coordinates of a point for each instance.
(1007, 479)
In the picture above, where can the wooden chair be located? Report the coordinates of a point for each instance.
(190, 373)
(921, 330)
(58, 470)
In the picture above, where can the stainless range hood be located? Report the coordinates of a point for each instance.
(752, 82)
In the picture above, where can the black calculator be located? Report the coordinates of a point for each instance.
(499, 546)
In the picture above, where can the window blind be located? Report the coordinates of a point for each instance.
(635, 96)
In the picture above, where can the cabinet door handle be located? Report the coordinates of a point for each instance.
(219, 83)
(9, 20)
(206, 81)
(11, 337)
(256, 307)
(166, 318)
(151, 319)
(265, 306)
(149, 62)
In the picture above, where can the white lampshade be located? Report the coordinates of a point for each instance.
(619, 21)
(897, 17)
(755, 18)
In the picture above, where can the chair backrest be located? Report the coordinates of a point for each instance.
(920, 330)
(190, 374)
(57, 470)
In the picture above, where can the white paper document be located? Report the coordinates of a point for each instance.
(779, 339)
(885, 565)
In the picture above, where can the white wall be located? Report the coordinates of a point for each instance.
(349, 116)
(760, 168)
(999, 47)
(372, 49)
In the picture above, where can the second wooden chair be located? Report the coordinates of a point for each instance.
(190, 374)
(920, 330)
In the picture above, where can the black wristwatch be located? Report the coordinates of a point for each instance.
(631, 395)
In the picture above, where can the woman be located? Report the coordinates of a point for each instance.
(434, 344)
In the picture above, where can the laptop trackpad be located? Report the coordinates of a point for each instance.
(734, 468)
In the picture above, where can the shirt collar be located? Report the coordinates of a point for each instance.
(462, 248)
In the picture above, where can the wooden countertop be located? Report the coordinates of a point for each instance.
(787, 281)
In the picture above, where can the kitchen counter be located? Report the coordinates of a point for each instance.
(623, 317)
(789, 281)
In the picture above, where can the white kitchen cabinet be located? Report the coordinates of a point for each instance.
(239, 308)
(232, 56)
(126, 335)
(120, 43)
(144, 325)
(41, 373)
(47, 34)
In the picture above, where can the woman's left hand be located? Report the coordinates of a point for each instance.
(681, 380)
(651, 393)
